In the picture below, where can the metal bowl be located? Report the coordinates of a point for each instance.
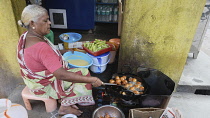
(111, 110)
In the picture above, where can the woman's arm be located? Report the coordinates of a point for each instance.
(65, 75)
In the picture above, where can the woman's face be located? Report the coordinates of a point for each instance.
(42, 26)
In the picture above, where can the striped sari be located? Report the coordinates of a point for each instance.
(45, 84)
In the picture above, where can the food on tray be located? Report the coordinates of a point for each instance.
(106, 116)
(96, 45)
(131, 84)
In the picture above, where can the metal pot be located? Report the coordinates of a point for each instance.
(112, 111)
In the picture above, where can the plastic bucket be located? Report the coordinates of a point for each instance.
(98, 68)
(11, 110)
(112, 57)
(77, 55)
(100, 59)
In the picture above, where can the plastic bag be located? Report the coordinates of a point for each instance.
(171, 113)
(11, 110)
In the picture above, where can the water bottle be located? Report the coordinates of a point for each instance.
(115, 14)
(103, 13)
(99, 13)
(110, 1)
(105, 1)
(107, 14)
(96, 13)
(114, 1)
(110, 14)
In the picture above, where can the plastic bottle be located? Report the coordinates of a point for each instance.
(115, 14)
(96, 13)
(105, 1)
(103, 13)
(107, 14)
(110, 1)
(98, 18)
(114, 1)
(110, 14)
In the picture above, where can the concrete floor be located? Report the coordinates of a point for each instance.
(195, 79)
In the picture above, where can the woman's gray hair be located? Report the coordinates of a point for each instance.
(31, 13)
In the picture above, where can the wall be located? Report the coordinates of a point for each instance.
(9, 35)
(159, 34)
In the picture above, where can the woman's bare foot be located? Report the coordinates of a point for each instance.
(69, 110)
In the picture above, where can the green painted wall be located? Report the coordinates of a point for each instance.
(9, 34)
(158, 34)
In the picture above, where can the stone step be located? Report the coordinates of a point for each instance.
(191, 105)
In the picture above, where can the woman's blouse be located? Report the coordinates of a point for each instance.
(40, 56)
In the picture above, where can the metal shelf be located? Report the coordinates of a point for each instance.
(106, 3)
(104, 22)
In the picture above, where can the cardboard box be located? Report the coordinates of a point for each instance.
(146, 113)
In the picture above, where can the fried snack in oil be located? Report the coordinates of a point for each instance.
(141, 88)
(124, 82)
(111, 81)
(117, 77)
(122, 78)
(134, 80)
(118, 82)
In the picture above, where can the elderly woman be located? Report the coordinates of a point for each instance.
(44, 71)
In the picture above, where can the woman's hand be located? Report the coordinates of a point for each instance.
(97, 82)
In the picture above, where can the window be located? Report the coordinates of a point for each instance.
(58, 18)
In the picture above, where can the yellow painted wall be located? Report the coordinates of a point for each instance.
(10, 12)
(158, 34)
